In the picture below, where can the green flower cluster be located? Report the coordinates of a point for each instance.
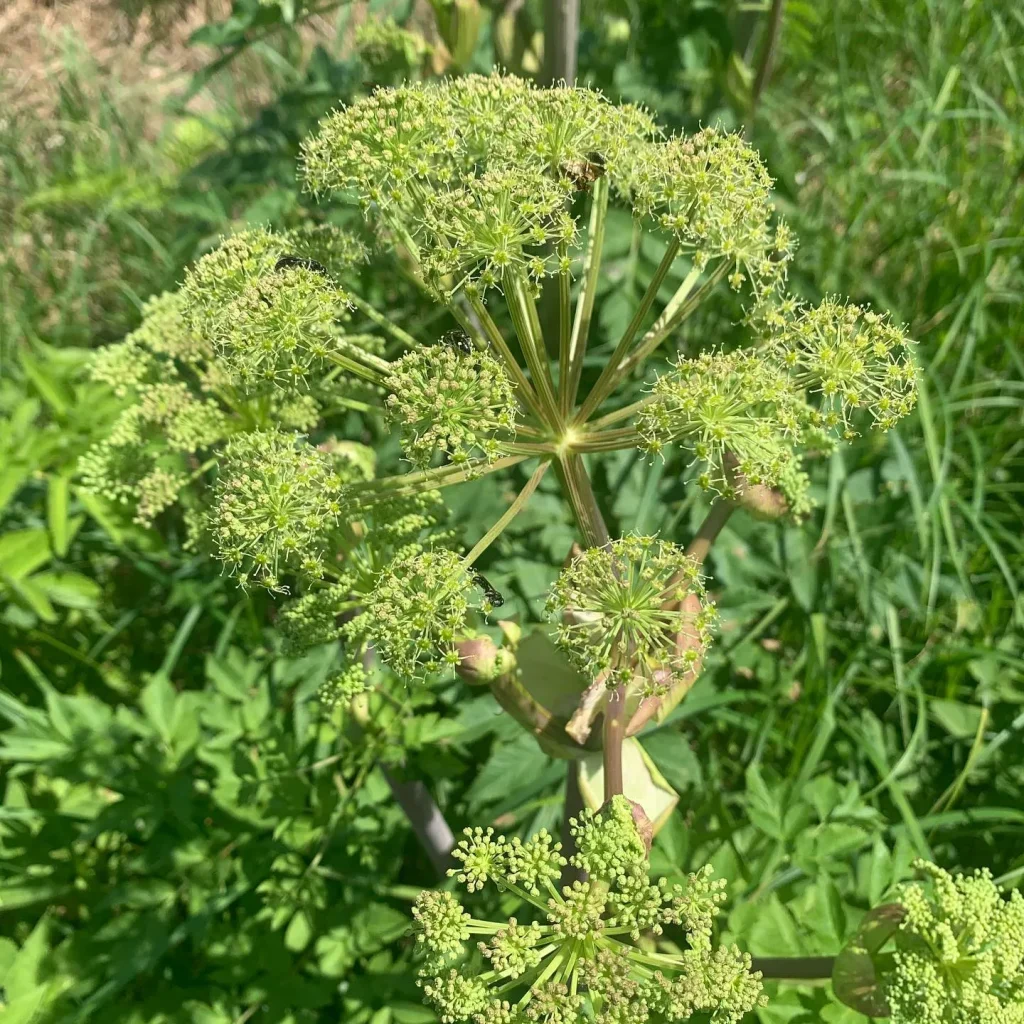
(618, 613)
(385, 46)
(155, 444)
(475, 175)
(580, 952)
(421, 604)
(753, 411)
(186, 369)
(711, 191)
(272, 318)
(959, 956)
(276, 503)
(448, 402)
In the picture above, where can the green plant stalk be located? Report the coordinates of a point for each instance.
(355, 367)
(588, 289)
(526, 323)
(440, 476)
(508, 515)
(564, 331)
(524, 389)
(664, 326)
(621, 414)
(607, 441)
(396, 332)
(613, 372)
(714, 521)
(576, 486)
(614, 736)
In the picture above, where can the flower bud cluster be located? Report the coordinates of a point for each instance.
(959, 953)
(270, 315)
(151, 451)
(276, 503)
(478, 173)
(448, 402)
(421, 604)
(617, 614)
(713, 193)
(573, 953)
(752, 411)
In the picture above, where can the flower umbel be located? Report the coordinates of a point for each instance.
(570, 955)
(617, 611)
(448, 402)
(959, 956)
(275, 504)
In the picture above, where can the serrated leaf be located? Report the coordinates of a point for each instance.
(22, 552)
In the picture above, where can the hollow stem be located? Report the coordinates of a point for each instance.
(588, 289)
(527, 324)
(396, 332)
(612, 373)
(795, 968)
(576, 484)
(426, 819)
(614, 735)
(509, 514)
(717, 517)
(664, 326)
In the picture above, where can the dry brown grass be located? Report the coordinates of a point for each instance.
(151, 57)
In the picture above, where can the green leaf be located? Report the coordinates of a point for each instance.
(22, 552)
(958, 719)
(69, 589)
(159, 701)
(57, 513)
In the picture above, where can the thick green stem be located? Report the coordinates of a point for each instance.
(614, 735)
(612, 373)
(576, 484)
(396, 332)
(588, 289)
(524, 389)
(525, 320)
(717, 517)
(795, 968)
(665, 325)
(564, 333)
(510, 513)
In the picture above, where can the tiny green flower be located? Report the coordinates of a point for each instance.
(448, 402)
(575, 953)
(617, 613)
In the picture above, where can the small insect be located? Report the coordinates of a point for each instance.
(492, 596)
(583, 173)
(458, 340)
(290, 262)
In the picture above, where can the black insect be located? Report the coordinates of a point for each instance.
(290, 262)
(583, 173)
(490, 594)
(457, 339)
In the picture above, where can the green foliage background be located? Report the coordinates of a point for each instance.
(183, 837)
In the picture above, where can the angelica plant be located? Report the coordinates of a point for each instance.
(492, 194)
